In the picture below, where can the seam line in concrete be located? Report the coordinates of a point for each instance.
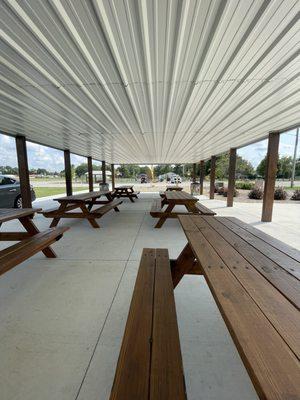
(108, 312)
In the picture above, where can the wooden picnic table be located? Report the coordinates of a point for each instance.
(175, 198)
(85, 202)
(126, 191)
(30, 242)
(255, 281)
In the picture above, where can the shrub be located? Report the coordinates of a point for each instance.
(296, 195)
(218, 186)
(256, 193)
(235, 193)
(244, 185)
(280, 194)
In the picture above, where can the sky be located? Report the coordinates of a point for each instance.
(53, 160)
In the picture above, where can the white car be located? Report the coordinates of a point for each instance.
(175, 179)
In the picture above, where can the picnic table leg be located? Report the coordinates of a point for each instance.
(88, 216)
(185, 263)
(91, 204)
(110, 199)
(162, 219)
(33, 230)
(56, 220)
(129, 195)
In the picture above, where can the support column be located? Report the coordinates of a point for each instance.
(68, 172)
(270, 177)
(23, 171)
(202, 174)
(295, 158)
(90, 174)
(212, 177)
(231, 177)
(113, 176)
(103, 172)
(194, 172)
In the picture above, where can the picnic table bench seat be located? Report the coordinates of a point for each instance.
(204, 210)
(107, 207)
(19, 252)
(150, 362)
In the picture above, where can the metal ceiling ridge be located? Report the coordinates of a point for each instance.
(197, 82)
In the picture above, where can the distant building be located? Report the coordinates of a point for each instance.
(97, 176)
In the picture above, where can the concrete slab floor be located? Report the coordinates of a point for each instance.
(62, 320)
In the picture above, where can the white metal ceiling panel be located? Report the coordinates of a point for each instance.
(148, 81)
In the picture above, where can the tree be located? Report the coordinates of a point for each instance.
(128, 170)
(162, 169)
(81, 169)
(42, 171)
(7, 170)
(244, 169)
(284, 167)
(261, 168)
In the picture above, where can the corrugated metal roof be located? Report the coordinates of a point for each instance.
(148, 80)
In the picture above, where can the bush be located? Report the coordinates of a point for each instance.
(244, 185)
(218, 186)
(235, 193)
(296, 195)
(280, 194)
(256, 194)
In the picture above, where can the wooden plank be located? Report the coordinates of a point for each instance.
(133, 369)
(187, 223)
(287, 263)
(231, 177)
(270, 176)
(90, 174)
(272, 366)
(180, 197)
(212, 177)
(9, 214)
(279, 311)
(13, 236)
(166, 375)
(204, 210)
(68, 172)
(19, 252)
(278, 244)
(23, 171)
(279, 278)
(107, 207)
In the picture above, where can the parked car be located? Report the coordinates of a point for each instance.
(175, 179)
(10, 193)
(143, 178)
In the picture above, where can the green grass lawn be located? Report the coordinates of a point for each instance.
(50, 191)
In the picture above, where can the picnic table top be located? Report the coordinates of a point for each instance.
(179, 196)
(8, 214)
(124, 187)
(82, 196)
(255, 280)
